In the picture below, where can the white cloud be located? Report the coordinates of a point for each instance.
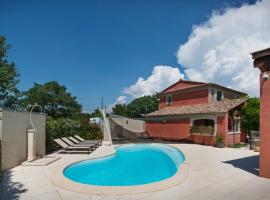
(121, 100)
(218, 50)
(161, 77)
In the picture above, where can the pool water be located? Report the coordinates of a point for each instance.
(134, 164)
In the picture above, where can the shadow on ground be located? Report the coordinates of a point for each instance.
(10, 189)
(249, 164)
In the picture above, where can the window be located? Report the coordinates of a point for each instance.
(217, 95)
(169, 100)
(234, 125)
(237, 125)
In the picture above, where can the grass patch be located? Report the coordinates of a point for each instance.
(239, 145)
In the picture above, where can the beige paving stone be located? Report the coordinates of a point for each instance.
(210, 177)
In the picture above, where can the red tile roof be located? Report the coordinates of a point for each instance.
(206, 108)
(198, 85)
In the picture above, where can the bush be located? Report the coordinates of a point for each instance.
(202, 129)
(64, 127)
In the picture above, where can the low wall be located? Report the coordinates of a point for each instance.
(126, 127)
(173, 129)
(14, 137)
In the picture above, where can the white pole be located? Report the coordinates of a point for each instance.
(107, 126)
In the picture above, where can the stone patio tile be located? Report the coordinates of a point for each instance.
(194, 196)
(44, 189)
(230, 197)
(139, 196)
(51, 195)
(66, 194)
(38, 183)
(213, 194)
(247, 193)
(162, 196)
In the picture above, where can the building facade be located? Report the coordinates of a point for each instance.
(262, 61)
(197, 112)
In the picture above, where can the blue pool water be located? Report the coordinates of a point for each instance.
(134, 164)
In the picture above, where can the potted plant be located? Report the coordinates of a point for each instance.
(220, 141)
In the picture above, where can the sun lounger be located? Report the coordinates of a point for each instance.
(85, 141)
(70, 143)
(143, 136)
(71, 149)
(76, 141)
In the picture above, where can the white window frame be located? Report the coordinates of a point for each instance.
(214, 92)
(237, 127)
(214, 118)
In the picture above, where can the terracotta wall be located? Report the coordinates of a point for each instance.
(181, 85)
(177, 129)
(228, 95)
(265, 127)
(222, 127)
(195, 97)
(233, 139)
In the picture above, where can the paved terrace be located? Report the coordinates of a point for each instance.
(225, 174)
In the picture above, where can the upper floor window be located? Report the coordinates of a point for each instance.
(217, 95)
(169, 100)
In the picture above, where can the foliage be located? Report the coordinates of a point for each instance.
(219, 138)
(239, 145)
(54, 98)
(96, 113)
(9, 92)
(120, 109)
(61, 127)
(138, 107)
(250, 115)
(202, 129)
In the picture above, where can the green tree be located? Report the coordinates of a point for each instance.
(138, 107)
(9, 92)
(96, 113)
(54, 98)
(250, 115)
(142, 106)
(120, 109)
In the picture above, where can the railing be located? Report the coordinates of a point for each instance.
(254, 138)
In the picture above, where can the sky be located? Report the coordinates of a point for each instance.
(125, 49)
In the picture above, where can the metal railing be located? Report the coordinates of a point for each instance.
(254, 138)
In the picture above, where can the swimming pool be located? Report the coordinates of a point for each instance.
(133, 164)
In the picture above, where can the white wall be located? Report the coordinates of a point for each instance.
(14, 137)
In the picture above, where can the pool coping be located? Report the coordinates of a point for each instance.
(58, 178)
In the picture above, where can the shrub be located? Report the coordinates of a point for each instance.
(64, 127)
(219, 138)
(202, 129)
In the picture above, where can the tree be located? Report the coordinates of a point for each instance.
(142, 106)
(137, 107)
(120, 109)
(251, 115)
(54, 99)
(96, 113)
(9, 92)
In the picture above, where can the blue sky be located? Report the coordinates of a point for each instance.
(97, 48)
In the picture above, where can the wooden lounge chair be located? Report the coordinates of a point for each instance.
(71, 149)
(76, 141)
(85, 141)
(70, 143)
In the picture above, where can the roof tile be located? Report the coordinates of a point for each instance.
(206, 108)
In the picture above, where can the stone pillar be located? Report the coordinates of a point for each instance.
(262, 61)
(31, 144)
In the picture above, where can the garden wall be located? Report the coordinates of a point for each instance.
(14, 137)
